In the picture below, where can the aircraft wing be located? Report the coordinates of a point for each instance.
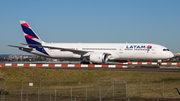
(80, 52)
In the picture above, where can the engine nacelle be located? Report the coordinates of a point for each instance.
(98, 58)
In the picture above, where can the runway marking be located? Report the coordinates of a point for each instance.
(7, 64)
(20, 64)
(45, 65)
(87, 65)
(32, 65)
(57, 65)
(112, 66)
(97, 66)
(147, 63)
(26, 64)
(77, 65)
(2, 64)
(83, 65)
(62, 65)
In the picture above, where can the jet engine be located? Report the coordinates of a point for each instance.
(98, 58)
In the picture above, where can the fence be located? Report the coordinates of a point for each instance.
(60, 90)
(53, 89)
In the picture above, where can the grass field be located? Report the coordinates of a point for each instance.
(140, 83)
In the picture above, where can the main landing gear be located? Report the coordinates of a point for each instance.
(85, 60)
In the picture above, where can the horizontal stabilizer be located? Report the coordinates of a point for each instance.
(22, 48)
(15, 46)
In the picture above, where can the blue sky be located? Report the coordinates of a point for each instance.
(91, 21)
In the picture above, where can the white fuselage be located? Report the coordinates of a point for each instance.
(92, 52)
(118, 51)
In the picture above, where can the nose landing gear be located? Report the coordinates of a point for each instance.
(159, 62)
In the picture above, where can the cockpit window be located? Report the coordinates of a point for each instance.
(165, 49)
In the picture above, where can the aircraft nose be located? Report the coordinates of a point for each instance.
(171, 55)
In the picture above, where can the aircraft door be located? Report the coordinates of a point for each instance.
(121, 49)
(153, 50)
(78, 48)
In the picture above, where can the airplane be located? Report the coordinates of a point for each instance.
(95, 53)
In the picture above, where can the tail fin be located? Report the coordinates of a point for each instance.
(30, 36)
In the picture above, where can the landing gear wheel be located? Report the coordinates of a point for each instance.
(159, 62)
(85, 62)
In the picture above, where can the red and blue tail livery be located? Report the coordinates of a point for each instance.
(31, 37)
